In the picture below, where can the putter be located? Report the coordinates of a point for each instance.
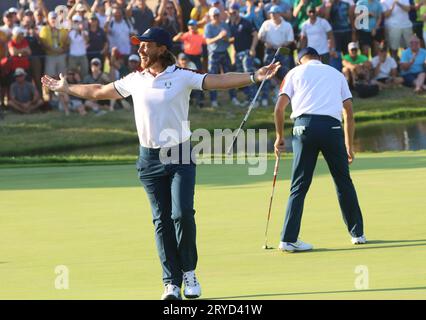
(280, 51)
(277, 162)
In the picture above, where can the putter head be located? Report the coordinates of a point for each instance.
(266, 247)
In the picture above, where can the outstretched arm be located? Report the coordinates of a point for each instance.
(237, 80)
(84, 91)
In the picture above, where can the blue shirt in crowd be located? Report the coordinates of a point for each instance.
(256, 18)
(211, 31)
(417, 66)
(242, 32)
(373, 7)
(339, 16)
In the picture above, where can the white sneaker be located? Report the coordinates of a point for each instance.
(264, 103)
(235, 102)
(299, 245)
(171, 292)
(192, 288)
(359, 240)
(215, 104)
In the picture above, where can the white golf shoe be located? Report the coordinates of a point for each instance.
(299, 245)
(171, 292)
(192, 288)
(359, 240)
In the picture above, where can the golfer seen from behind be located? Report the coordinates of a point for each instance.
(319, 95)
(161, 102)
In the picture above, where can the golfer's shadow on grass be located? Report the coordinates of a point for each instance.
(371, 245)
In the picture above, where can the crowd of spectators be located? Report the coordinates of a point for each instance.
(377, 43)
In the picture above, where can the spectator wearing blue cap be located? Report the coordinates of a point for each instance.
(193, 43)
(275, 33)
(217, 34)
(245, 39)
(166, 165)
(286, 8)
(316, 33)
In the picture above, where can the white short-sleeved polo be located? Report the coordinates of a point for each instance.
(161, 104)
(316, 88)
(316, 33)
(276, 35)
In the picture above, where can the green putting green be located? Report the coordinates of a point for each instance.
(95, 220)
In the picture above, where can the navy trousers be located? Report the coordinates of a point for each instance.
(170, 189)
(312, 134)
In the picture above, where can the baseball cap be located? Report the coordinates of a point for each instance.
(235, 6)
(192, 22)
(275, 9)
(77, 18)
(182, 56)
(134, 57)
(155, 34)
(352, 45)
(96, 61)
(52, 14)
(19, 72)
(12, 10)
(305, 51)
(17, 30)
(28, 12)
(213, 11)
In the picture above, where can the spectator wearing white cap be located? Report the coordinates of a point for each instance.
(14, 12)
(398, 27)
(19, 49)
(23, 97)
(79, 40)
(55, 44)
(355, 66)
(80, 8)
(134, 63)
(8, 24)
(275, 33)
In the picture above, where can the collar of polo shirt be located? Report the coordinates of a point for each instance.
(169, 69)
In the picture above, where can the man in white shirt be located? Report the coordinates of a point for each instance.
(318, 94)
(385, 69)
(119, 31)
(397, 24)
(275, 33)
(166, 168)
(317, 33)
(78, 40)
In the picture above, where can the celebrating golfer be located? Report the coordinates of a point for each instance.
(319, 95)
(161, 101)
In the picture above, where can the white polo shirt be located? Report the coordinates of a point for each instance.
(316, 88)
(316, 34)
(276, 35)
(161, 104)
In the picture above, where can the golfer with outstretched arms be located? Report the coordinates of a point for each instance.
(161, 101)
(319, 95)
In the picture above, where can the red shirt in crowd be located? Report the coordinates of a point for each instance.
(19, 62)
(193, 43)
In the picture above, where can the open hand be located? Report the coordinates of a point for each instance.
(60, 85)
(267, 72)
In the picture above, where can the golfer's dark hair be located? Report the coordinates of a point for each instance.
(167, 58)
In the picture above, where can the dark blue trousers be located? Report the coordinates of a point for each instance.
(170, 189)
(312, 134)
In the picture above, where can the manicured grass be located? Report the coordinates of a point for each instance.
(96, 221)
(53, 133)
